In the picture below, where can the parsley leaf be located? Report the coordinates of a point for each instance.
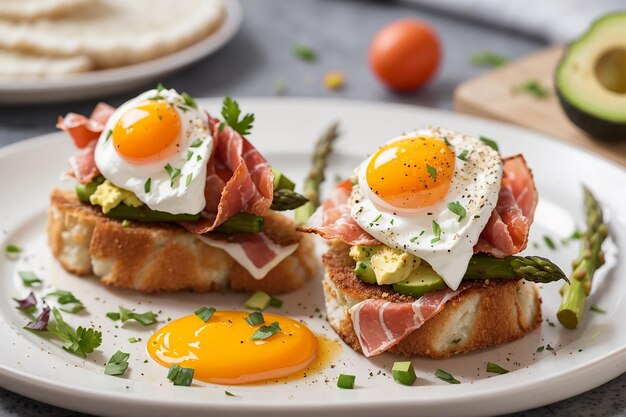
(534, 88)
(495, 368)
(29, 278)
(487, 59)
(80, 341)
(436, 232)
(304, 53)
(147, 185)
(231, 113)
(549, 242)
(445, 376)
(118, 363)
(491, 143)
(173, 173)
(464, 156)
(432, 172)
(69, 303)
(189, 101)
(125, 314)
(456, 208)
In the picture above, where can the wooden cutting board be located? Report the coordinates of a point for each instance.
(493, 95)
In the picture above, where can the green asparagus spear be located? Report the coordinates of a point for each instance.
(282, 182)
(242, 222)
(591, 258)
(287, 200)
(144, 214)
(531, 268)
(316, 176)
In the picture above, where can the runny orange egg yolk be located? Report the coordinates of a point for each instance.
(411, 173)
(221, 350)
(148, 132)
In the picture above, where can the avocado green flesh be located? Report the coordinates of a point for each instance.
(363, 270)
(591, 79)
(417, 285)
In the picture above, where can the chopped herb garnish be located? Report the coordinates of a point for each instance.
(80, 341)
(495, 368)
(456, 208)
(549, 242)
(540, 349)
(231, 113)
(184, 377)
(109, 133)
(196, 143)
(205, 313)
(487, 59)
(229, 394)
(26, 303)
(189, 155)
(125, 314)
(69, 303)
(126, 223)
(444, 376)
(491, 143)
(265, 332)
(160, 87)
(534, 88)
(464, 156)
(258, 301)
(373, 222)
(255, 318)
(596, 309)
(275, 302)
(189, 101)
(346, 381)
(29, 278)
(13, 249)
(173, 173)
(447, 142)
(173, 371)
(413, 239)
(147, 185)
(432, 172)
(133, 339)
(436, 232)
(422, 232)
(188, 180)
(118, 364)
(548, 347)
(304, 53)
(199, 158)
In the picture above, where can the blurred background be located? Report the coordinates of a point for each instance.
(489, 58)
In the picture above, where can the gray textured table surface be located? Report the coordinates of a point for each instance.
(260, 57)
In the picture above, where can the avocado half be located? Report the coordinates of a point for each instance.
(591, 79)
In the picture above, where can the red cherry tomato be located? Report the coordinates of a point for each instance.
(405, 54)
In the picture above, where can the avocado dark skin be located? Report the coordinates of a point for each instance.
(595, 127)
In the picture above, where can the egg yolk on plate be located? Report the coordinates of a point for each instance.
(411, 173)
(221, 350)
(147, 133)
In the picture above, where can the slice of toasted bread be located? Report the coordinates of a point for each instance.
(481, 316)
(162, 257)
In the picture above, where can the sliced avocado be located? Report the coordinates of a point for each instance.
(391, 265)
(591, 79)
(363, 252)
(421, 281)
(363, 271)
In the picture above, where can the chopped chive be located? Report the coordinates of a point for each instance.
(29, 278)
(432, 172)
(413, 239)
(160, 87)
(464, 156)
(549, 242)
(444, 376)
(487, 59)
(146, 318)
(189, 100)
(147, 185)
(189, 155)
(188, 180)
(229, 394)
(13, 249)
(185, 109)
(109, 133)
(265, 332)
(255, 318)
(534, 88)
(196, 143)
(456, 208)
(118, 363)
(173, 371)
(133, 339)
(275, 302)
(376, 219)
(304, 53)
(126, 223)
(113, 316)
(258, 301)
(184, 377)
(199, 158)
(436, 232)
(540, 349)
(403, 373)
(596, 309)
(447, 142)
(495, 368)
(205, 313)
(422, 232)
(172, 172)
(491, 143)
(346, 381)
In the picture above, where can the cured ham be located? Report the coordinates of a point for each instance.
(255, 252)
(380, 324)
(507, 230)
(84, 130)
(333, 220)
(83, 164)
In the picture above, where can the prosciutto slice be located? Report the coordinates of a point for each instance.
(506, 232)
(380, 324)
(83, 164)
(333, 220)
(84, 130)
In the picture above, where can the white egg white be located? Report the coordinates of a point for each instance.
(475, 185)
(179, 196)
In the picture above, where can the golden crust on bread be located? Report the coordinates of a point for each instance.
(481, 316)
(161, 257)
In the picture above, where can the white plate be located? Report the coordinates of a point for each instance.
(284, 131)
(116, 80)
